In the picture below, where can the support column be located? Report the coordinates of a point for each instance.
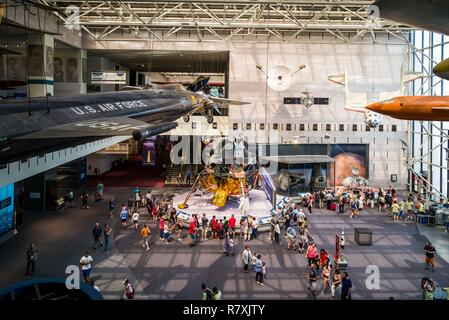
(40, 68)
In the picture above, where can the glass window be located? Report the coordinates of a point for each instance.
(248, 126)
(301, 127)
(315, 127)
(275, 126)
(262, 126)
(394, 128)
(235, 126)
(381, 127)
(288, 127)
(214, 125)
(341, 127)
(367, 128)
(328, 127)
(193, 125)
(354, 127)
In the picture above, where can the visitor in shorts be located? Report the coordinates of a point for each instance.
(124, 216)
(166, 232)
(291, 237)
(135, 218)
(311, 254)
(220, 229)
(86, 266)
(204, 226)
(179, 226)
(192, 232)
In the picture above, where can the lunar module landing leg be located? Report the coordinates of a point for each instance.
(194, 187)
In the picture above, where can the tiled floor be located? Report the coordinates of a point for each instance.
(176, 271)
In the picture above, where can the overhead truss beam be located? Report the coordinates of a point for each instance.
(277, 19)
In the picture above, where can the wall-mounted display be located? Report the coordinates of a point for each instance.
(6, 208)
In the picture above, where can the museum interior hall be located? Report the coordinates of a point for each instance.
(224, 150)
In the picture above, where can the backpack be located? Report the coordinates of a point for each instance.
(129, 291)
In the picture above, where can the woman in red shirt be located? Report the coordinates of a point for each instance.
(311, 254)
(192, 232)
(214, 225)
(323, 257)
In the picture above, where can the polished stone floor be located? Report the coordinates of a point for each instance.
(176, 271)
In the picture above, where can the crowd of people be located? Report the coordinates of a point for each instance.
(291, 226)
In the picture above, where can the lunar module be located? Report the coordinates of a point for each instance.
(224, 182)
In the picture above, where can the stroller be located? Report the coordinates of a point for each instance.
(98, 197)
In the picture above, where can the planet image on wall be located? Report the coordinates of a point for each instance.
(345, 163)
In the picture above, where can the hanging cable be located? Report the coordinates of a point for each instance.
(44, 67)
(150, 52)
(27, 63)
(7, 54)
(266, 79)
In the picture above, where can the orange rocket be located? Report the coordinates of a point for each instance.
(426, 108)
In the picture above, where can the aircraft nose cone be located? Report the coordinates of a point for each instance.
(442, 69)
(375, 107)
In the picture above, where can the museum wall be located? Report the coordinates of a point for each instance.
(373, 68)
(98, 63)
(70, 75)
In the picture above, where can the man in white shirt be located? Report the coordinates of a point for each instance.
(135, 218)
(246, 257)
(86, 266)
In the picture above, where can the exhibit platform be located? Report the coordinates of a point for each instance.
(259, 206)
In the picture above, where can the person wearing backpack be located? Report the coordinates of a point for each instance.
(128, 293)
(277, 232)
(291, 237)
(258, 268)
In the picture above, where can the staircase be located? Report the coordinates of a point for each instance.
(172, 176)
